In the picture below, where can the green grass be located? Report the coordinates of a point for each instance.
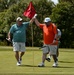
(31, 59)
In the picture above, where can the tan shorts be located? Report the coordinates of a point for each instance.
(50, 48)
(17, 46)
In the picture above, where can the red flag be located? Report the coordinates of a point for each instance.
(30, 11)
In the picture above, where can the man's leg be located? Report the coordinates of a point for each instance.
(55, 61)
(21, 54)
(54, 58)
(57, 50)
(45, 52)
(43, 60)
(53, 52)
(49, 57)
(17, 56)
(22, 51)
(44, 57)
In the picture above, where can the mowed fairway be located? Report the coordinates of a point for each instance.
(30, 62)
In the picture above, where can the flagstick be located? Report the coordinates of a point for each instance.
(32, 34)
(32, 44)
(33, 60)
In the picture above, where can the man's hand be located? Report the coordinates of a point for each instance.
(8, 39)
(55, 42)
(33, 19)
(35, 16)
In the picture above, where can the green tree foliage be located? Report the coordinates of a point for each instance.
(5, 4)
(63, 16)
(68, 1)
(8, 17)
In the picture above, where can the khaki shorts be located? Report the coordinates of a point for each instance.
(50, 48)
(17, 46)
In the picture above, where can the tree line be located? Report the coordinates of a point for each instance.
(61, 14)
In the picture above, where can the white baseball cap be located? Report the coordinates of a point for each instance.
(19, 19)
(47, 19)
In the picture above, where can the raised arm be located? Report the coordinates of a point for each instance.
(32, 20)
(37, 22)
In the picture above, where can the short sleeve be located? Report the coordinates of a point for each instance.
(26, 24)
(11, 29)
(41, 26)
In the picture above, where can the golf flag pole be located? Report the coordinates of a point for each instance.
(30, 13)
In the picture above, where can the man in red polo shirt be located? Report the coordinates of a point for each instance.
(49, 39)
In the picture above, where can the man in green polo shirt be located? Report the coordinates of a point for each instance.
(18, 32)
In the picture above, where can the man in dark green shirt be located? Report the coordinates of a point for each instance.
(18, 32)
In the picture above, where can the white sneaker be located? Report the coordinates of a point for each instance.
(41, 65)
(55, 64)
(18, 63)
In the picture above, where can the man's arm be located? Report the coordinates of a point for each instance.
(32, 20)
(59, 34)
(37, 22)
(55, 37)
(9, 37)
(55, 41)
